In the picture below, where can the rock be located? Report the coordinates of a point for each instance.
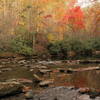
(27, 65)
(31, 70)
(0, 72)
(43, 67)
(46, 62)
(1, 66)
(63, 93)
(58, 93)
(62, 70)
(12, 80)
(84, 90)
(7, 69)
(97, 98)
(22, 62)
(96, 53)
(36, 78)
(57, 62)
(44, 71)
(70, 70)
(46, 83)
(26, 89)
(10, 88)
(21, 81)
(94, 94)
(25, 81)
(84, 97)
(36, 66)
(29, 94)
(3, 63)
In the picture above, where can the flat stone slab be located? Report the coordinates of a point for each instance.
(63, 93)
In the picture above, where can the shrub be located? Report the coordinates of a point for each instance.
(55, 48)
(82, 48)
(21, 46)
(96, 43)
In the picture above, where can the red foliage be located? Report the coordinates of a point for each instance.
(74, 16)
(48, 16)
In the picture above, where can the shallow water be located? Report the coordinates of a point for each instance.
(89, 79)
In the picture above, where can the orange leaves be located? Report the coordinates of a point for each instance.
(74, 16)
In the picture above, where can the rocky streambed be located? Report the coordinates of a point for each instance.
(22, 78)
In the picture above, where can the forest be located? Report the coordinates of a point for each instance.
(49, 28)
(49, 49)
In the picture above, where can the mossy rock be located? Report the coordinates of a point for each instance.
(10, 88)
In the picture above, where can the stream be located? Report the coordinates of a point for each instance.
(25, 69)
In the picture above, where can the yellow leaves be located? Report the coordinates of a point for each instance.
(51, 37)
(12, 31)
(21, 23)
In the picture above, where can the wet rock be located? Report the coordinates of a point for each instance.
(94, 94)
(3, 63)
(84, 97)
(44, 71)
(29, 94)
(43, 67)
(22, 62)
(1, 66)
(31, 70)
(27, 65)
(6, 69)
(62, 70)
(21, 81)
(46, 62)
(0, 72)
(46, 83)
(25, 81)
(57, 62)
(70, 70)
(12, 80)
(10, 88)
(97, 98)
(84, 90)
(38, 66)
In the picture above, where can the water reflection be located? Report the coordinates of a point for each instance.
(87, 79)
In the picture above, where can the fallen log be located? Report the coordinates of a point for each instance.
(83, 69)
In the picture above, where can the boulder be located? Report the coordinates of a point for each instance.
(10, 88)
(29, 94)
(84, 90)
